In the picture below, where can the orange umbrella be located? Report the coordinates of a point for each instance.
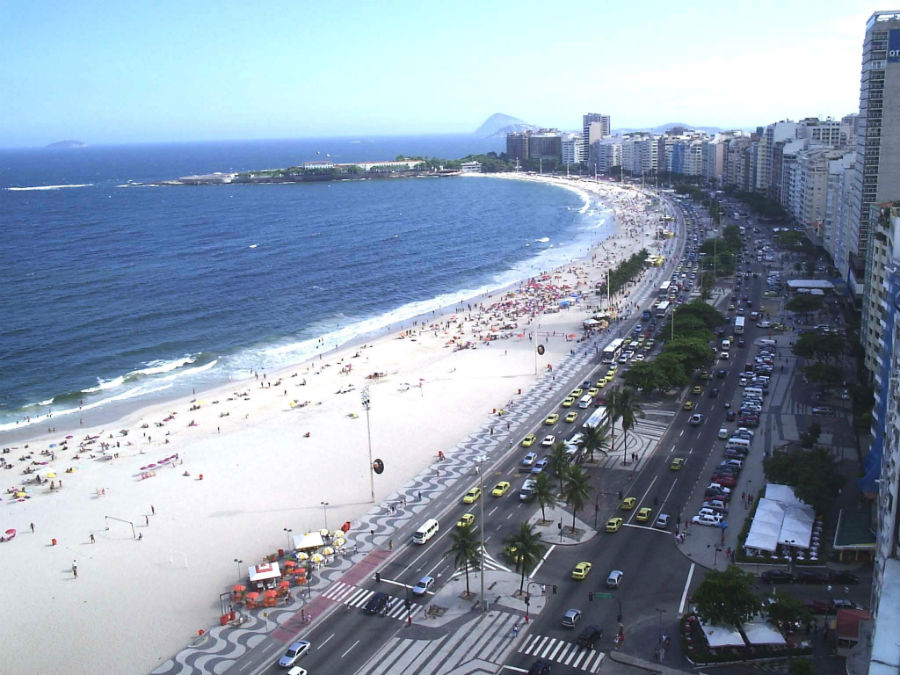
(239, 588)
(290, 563)
(253, 595)
(269, 594)
(284, 584)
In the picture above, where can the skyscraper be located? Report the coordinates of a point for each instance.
(589, 135)
(877, 170)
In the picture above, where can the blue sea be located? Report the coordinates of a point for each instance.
(115, 295)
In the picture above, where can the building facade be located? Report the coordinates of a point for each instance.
(590, 135)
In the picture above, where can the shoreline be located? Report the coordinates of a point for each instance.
(267, 465)
(110, 411)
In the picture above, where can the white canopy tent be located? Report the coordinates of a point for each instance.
(759, 632)
(264, 572)
(721, 636)
(308, 540)
(781, 518)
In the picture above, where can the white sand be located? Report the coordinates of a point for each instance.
(137, 602)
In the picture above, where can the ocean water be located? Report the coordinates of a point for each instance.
(116, 294)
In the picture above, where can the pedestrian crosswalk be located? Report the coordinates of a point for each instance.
(354, 596)
(565, 652)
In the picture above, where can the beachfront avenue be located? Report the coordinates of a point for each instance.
(445, 628)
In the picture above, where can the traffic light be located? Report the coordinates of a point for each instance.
(591, 596)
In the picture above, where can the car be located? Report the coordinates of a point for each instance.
(548, 441)
(540, 667)
(696, 420)
(425, 585)
(662, 521)
(776, 577)
(812, 577)
(581, 570)
(589, 637)
(551, 419)
(529, 459)
(697, 389)
(568, 402)
(723, 433)
(714, 392)
(472, 495)
(529, 440)
(840, 577)
(676, 464)
(614, 579)
(628, 503)
(575, 393)
(730, 415)
(377, 604)
(707, 519)
(721, 373)
(500, 489)
(572, 416)
(613, 368)
(294, 653)
(466, 520)
(297, 670)
(540, 465)
(593, 391)
(823, 410)
(644, 514)
(725, 480)
(742, 342)
(688, 405)
(571, 617)
(613, 524)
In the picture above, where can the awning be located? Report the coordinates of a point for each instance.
(263, 572)
(308, 540)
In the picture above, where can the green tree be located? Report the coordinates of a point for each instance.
(726, 598)
(559, 461)
(814, 475)
(696, 352)
(613, 414)
(528, 550)
(709, 315)
(816, 345)
(544, 493)
(466, 550)
(804, 303)
(787, 610)
(595, 438)
(825, 374)
(671, 366)
(646, 376)
(628, 411)
(576, 490)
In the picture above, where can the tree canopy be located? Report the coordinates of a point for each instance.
(812, 473)
(805, 303)
(817, 345)
(726, 598)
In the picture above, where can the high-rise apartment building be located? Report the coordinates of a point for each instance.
(591, 134)
(877, 171)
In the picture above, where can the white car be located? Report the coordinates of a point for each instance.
(706, 519)
(614, 579)
(294, 653)
(425, 585)
(548, 441)
(529, 459)
(723, 433)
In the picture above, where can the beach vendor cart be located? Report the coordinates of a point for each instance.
(264, 576)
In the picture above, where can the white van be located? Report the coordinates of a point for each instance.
(584, 401)
(736, 443)
(759, 392)
(767, 342)
(429, 528)
(726, 344)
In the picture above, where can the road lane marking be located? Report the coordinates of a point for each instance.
(350, 648)
(687, 585)
(666, 498)
(325, 641)
(491, 512)
(538, 566)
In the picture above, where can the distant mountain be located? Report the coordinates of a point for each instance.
(68, 144)
(499, 124)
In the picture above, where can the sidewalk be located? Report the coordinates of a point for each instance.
(557, 529)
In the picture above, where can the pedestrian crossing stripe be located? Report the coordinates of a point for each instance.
(489, 563)
(562, 651)
(353, 596)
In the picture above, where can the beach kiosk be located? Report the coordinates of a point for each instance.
(264, 576)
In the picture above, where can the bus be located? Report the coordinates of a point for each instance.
(662, 309)
(664, 289)
(612, 351)
(738, 325)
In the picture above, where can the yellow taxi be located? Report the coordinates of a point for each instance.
(472, 495)
(581, 570)
(688, 405)
(553, 418)
(613, 524)
(644, 514)
(697, 389)
(500, 489)
(676, 464)
(466, 520)
(575, 393)
(628, 503)
(593, 391)
(568, 402)
(572, 416)
(529, 440)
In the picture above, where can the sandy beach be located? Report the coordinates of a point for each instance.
(155, 509)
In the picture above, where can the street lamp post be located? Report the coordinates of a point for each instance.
(287, 532)
(659, 613)
(239, 562)
(481, 459)
(325, 512)
(367, 403)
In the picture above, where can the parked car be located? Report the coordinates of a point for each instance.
(776, 577)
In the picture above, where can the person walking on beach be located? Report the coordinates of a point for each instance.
(75, 569)
(152, 510)
(32, 528)
(92, 538)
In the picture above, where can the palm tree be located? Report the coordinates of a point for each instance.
(466, 549)
(612, 415)
(559, 461)
(576, 491)
(544, 493)
(528, 550)
(595, 438)
(628, 411)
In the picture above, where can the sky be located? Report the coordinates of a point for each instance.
(167, 71)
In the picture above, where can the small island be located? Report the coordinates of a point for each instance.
(67, 144)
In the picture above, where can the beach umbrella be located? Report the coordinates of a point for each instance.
(51, 475)
(303, 555)
(317, 558)
(323, 532)
(21, 494)
(339, 541)
(239, 588)
(328, 551)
